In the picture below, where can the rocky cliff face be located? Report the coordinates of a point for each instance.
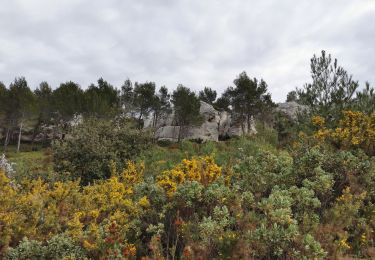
(216, 125)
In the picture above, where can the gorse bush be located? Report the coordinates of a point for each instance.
(313, 202)
(202, 170)
(242, 199)
(355, 129)
(38, 211)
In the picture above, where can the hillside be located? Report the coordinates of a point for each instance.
(241, 178)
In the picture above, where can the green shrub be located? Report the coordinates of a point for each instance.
(91, 147)
(278, 235)
(26, 250)
(58, 247)
(61, 246)
(261, 172)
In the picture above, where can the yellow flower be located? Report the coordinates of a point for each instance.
(144, 202)
(88, 245)
(133, 173)
(354, 129)
(344, 244)
(201, 169)
(318, 121)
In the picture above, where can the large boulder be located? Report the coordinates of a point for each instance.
(224, 124)
(291, 109)
(208, 131)
(208, 112)
(165, 120)
(167, 133)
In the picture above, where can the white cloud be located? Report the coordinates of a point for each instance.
(196, 43)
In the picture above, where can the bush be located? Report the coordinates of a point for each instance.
(261, 172)
(39, 211)
(58, 247)
(355, 130)
(93, 145)
(6, 166)
(27, 249)
(62, 246)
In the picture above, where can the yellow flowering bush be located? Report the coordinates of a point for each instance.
(144, 202)
(355, 129)
(133, 173)
(347, 205)
(318, 121)
(9, 219)
(200, 169)
(38, 210)
(343, 224)
(343, 244)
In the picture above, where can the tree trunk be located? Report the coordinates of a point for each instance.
(154, 123)
(243, 126)
(65, 129)
(19, 138)
(156, 116)
(248, 123)
(139, 119)
(179, 134)
(6, 141)
(35, 132)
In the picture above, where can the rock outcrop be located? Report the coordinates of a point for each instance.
(167, 133)
(216, 125)
(291, 109)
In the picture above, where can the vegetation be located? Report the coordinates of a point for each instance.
(332, 90)
(249, 98)
(208, 95)
(94, 147)
(299, 189)
(186, 107)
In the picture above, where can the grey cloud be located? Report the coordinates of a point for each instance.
(196, 43)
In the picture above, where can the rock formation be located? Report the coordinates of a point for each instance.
(291, 109)
(216, 125)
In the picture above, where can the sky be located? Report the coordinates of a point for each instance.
(196, 43)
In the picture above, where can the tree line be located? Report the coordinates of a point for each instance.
(44, 106)
(331, 91)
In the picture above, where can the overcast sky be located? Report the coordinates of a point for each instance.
(196, 43)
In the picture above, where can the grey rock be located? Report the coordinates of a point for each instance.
(215, 125)
(291, 109)
(167, 133)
